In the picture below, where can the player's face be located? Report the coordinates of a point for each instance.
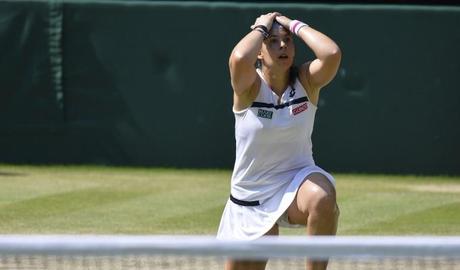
(278, 49)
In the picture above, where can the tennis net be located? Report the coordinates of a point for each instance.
(205, 252)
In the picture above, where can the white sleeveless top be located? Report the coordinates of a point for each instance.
(273, 159)
(272, 140)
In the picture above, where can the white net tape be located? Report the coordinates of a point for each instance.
(200, 252)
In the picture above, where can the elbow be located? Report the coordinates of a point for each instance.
(335, 54)
(238, 58)
(237, 55)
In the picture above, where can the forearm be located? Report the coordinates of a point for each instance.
(321, 70)
(323, 47)
(248, 48)
(244, 56)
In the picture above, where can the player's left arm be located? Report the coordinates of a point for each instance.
(319, 72)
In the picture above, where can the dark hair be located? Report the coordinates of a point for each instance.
(293, 73)
(258, 63)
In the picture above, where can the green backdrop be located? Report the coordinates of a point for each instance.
(146, 83)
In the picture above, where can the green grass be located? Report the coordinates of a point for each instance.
(108, 200)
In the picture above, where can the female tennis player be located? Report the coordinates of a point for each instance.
(275, 180)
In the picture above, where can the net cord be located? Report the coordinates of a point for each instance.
(315, 247)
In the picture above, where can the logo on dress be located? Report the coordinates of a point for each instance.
(300, 109)
(292, 92)
(264, 114)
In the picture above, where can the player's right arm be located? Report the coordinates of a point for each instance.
(242, 61)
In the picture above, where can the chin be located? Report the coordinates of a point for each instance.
(286, 66)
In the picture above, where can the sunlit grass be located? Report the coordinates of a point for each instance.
(115, 200)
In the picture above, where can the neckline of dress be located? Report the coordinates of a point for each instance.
(259, 71)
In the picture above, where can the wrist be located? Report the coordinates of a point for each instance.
(262, 29)
(295, 26)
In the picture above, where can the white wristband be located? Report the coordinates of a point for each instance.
(295, 25)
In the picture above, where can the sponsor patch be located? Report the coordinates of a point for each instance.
(300, 109)
(264, 114)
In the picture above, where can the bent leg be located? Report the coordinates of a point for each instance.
(316, 207)
(250, 265)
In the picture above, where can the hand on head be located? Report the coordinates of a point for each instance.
(283, 20)
(266, 20)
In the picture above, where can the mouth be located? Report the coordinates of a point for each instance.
(283, 56)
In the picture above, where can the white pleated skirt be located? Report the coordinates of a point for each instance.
(251, 222)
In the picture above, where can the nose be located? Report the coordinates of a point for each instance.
(283, 44)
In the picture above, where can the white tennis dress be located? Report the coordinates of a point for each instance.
(273, 157)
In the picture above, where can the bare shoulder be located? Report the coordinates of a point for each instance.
(304, 74)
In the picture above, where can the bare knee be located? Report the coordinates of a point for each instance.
(323, 204)
(315, 202)
(322, 201)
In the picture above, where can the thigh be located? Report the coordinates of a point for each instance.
(315, 185)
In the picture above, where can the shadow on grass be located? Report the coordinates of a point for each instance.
(12, 174)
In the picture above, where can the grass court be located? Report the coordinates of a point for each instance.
(119, 200)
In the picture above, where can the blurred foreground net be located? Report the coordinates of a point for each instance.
(204, 252)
